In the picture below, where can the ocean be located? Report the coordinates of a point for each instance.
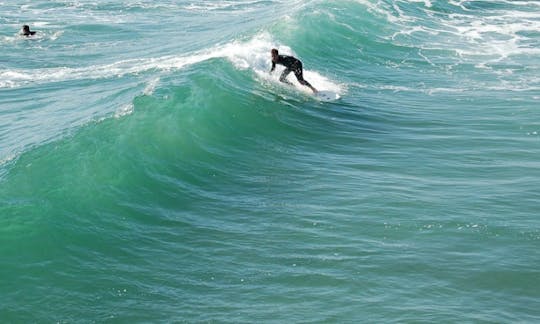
(153, 170)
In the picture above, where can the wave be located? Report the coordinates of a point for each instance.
(253, 54)
(250, 55)
(421, 47)
(492, 31)
(457, 33)
(200, 172)
(214, 120)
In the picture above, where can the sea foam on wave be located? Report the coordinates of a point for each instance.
(255, 55)
(251, 54)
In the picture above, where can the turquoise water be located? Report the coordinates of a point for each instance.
(151, 170)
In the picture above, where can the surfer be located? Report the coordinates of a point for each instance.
(26, 31)
(292, 64)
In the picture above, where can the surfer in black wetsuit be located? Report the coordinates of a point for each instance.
(26, 31)
(292, 64)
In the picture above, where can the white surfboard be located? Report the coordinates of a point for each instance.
(327, 95)
(326, 89)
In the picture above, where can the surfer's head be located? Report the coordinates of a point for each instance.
(274, 54)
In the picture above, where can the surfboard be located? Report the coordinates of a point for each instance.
(324, 94)
(327, 95)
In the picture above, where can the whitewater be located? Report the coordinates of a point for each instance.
(153, 170)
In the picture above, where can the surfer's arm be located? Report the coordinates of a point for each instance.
(273, 67)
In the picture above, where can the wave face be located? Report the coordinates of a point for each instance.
(151, 169)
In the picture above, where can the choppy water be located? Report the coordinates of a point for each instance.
(152, 171)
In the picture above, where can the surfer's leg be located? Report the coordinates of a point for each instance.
(300, 77)
(283, 77)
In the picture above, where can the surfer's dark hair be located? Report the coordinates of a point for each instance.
(274, 51)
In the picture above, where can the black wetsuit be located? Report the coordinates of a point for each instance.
(292, 64)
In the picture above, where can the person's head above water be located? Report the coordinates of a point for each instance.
(274, 54)
(26, 30)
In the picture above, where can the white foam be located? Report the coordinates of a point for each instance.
(17, 78)
(215, 5)
(151, 87)
(501, 33)
(9, 158)
(490, 32)
(229, 5)
(124, 110)
(427, 3)
(251, 54)
(255, 55)
(377, 8)
(458, 4)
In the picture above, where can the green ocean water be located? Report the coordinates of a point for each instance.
(151, 170)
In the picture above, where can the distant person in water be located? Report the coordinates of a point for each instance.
(292, 64)
(26, 31)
